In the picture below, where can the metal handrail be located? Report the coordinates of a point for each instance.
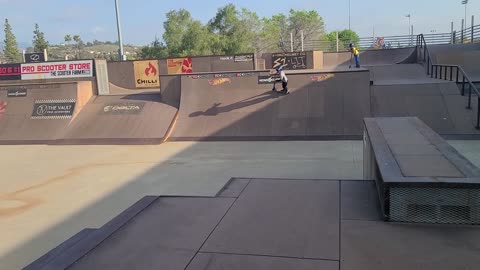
(443, 74)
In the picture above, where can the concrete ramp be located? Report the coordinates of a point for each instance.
(439, 105)
(38, 114)
(320, 106)
(128, 119)
(468, 60)
(401, 74)
(371, 57)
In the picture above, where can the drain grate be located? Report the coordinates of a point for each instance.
(442, 205)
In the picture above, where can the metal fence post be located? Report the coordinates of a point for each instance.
(302, 39)
(291, 42)
(337, 39)
(452, 34)
(473, 23)
(469, 96)
(478, 113)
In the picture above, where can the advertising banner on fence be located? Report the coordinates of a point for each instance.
(180, 65)
(244, 58)
(17, 92)
(53, 109)
(34, 57)
(290, 60)
(57, 70)
(146, 74)
(10, 72)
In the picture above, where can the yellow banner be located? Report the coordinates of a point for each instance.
(146, 74)
(179, 65)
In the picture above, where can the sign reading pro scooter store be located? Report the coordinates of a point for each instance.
(57, 70)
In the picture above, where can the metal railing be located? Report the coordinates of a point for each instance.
(365, 43)
(446, 72)
(468, 35)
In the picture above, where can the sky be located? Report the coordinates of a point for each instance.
(142, 20)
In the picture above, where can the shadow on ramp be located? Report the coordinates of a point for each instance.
(217, 109)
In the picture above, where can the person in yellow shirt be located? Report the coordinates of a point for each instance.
(356, 55)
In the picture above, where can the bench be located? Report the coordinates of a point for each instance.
(420, 178)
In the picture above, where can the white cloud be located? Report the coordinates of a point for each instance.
(97, 30)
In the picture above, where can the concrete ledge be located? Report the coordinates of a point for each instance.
(419, 176)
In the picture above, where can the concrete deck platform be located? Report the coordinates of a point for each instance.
(275, 224)
(50, 193)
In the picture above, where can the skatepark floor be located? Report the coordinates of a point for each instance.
(49, 193)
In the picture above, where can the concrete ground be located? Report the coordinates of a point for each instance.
(49, 193)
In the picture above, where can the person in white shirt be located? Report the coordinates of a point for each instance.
(283, 78)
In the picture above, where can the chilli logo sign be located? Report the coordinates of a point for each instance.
(150, 70)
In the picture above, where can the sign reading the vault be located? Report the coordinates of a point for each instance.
(53, 109)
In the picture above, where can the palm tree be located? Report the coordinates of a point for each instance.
(68, 39)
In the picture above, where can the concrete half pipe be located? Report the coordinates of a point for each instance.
(39, 113)
(130, 119)
(235, 106)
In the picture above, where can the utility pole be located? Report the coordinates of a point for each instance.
(120, 51)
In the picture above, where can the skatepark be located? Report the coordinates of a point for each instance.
(144, 165)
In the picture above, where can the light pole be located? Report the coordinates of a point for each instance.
(120, 52)
(349, 17)
(465, 2)
(409, 16)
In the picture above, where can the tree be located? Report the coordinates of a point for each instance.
(348, 36)
(11, 52)
(308, 22)
(68, 39)
(274, 33)
(78, 45)
(185, 36)
(277, 29)
(345, 37)
(39, 42)
(154, 51)
(235, 30)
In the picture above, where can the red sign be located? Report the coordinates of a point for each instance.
(3, 108)
(10, 72)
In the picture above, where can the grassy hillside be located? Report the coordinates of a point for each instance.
(104, 51)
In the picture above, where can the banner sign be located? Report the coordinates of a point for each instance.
(268, 79)
(290, 60)
(34, 57)
(10, 72)
(17, 92)
(222, 75)
(180, 65)
(244, 58)
(57, 70)
(124, 108)
(53, 109)
(146, 74)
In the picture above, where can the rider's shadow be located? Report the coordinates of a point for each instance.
(217, 109)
